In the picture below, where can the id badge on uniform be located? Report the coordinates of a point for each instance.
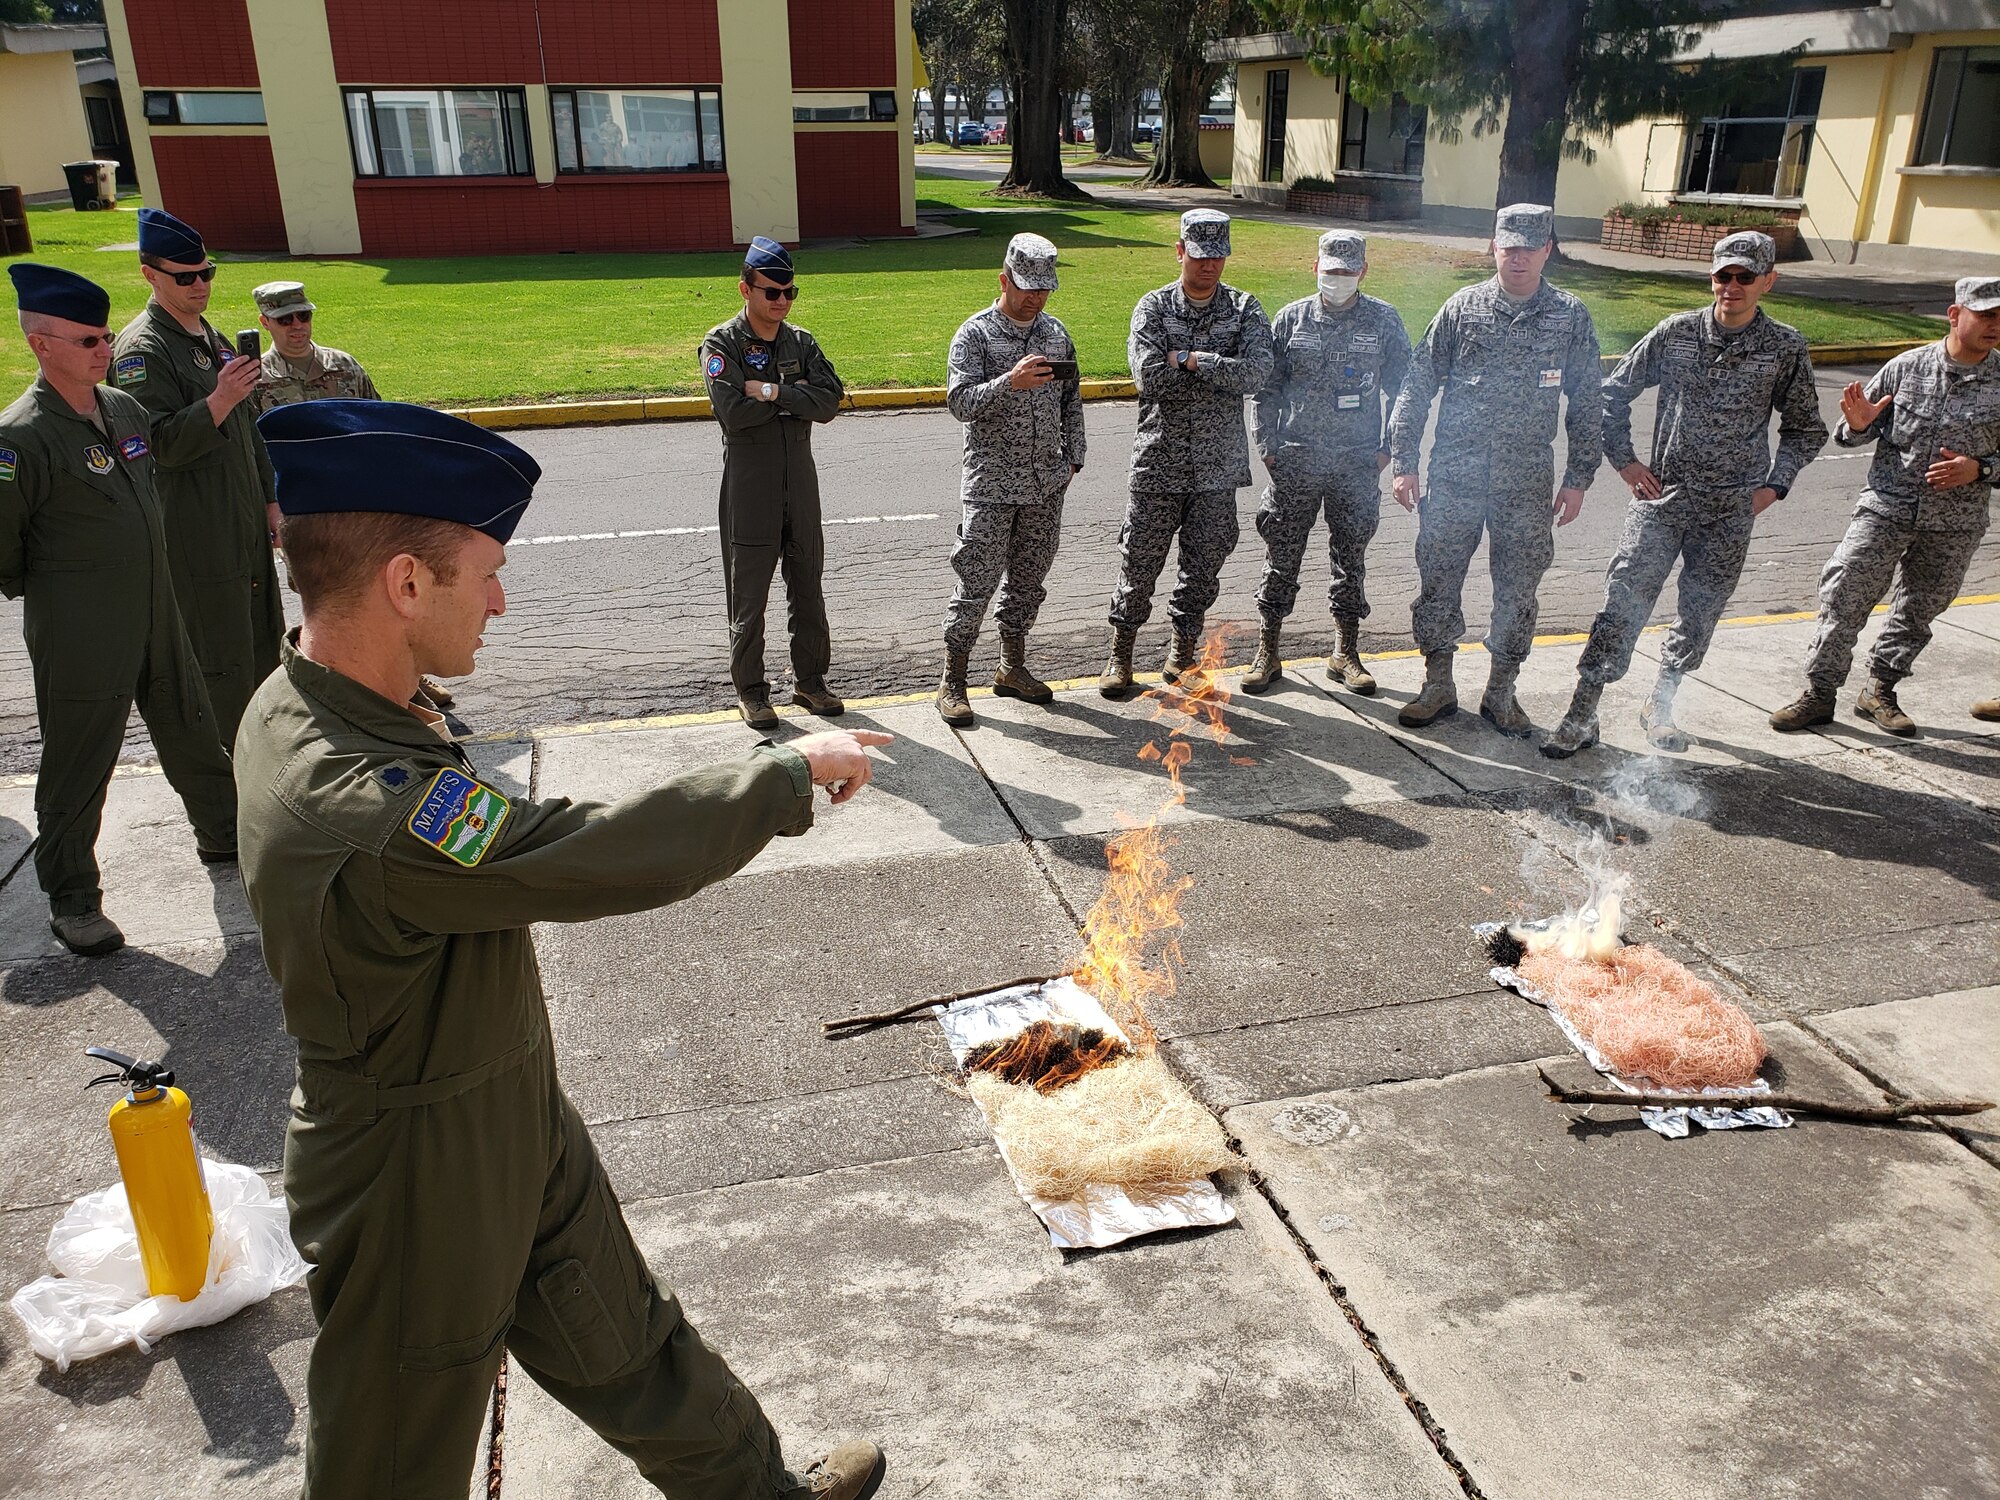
(1350, 403)
(1551, 379)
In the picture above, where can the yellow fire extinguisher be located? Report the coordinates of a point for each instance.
(151, 1133)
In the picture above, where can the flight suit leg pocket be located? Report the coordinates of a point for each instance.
(592, 1315)
(440, 1407)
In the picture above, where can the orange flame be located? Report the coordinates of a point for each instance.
(1141, 898)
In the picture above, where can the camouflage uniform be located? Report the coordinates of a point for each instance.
(1190, 455)
(1904, 532)
(1503, 368)
(1711, 452)
(328, 374)
(1021, 448)
(1319, 430)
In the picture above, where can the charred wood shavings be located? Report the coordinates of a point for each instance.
(1503, 948)
(1046, 1055)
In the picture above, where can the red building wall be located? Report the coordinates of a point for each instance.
(193, 44)
(477, 218)
(843, 44)
(850, 182)
(498, 41)
(225, 186)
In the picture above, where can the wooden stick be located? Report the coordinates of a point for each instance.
(1792, 1103)
(917, 1008)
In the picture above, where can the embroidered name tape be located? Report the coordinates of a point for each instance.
(459, 817)
(1350, 403)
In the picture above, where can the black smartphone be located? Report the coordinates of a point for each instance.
(249, 344)
(1064, 369)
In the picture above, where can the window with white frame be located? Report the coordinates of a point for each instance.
(439, 132)
(1760, 146)
(637, 130)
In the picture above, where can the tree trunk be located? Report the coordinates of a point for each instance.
(1112, 106)
(1036, 33)
(937, 112)
(1184, 92)
(1546, 35)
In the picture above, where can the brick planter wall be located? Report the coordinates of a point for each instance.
(1368, 200)
(1678, 239)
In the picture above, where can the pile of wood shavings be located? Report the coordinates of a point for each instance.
(1046, 1054)
(1129, 1125)
(1650, 1019)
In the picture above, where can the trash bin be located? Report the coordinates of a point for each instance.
(92, 184)
(14, 236)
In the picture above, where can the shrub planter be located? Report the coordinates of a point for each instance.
(1685, 239)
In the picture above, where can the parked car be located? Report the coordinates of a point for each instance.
(996, 135)
(1144, 134)
(1212, 120)
(971, 133)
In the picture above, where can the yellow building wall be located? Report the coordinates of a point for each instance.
(308, 126)
(136, 129)
(907, 83)
(1466, 173)
(756, 79)
(1947, 213)
(1218, 152)
(41, 120)
(1837, 178)
(1246, 149)
(1312, 126)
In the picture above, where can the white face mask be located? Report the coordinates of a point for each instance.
(1339, 286)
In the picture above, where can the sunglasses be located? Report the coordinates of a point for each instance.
(188, 278)
(88, 341)
(1741, 278)
(777, 293)
(286, 320)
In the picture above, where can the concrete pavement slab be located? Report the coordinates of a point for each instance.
(1931, 1047)
(921, 1304)
(1980, 619)
(1801, 1314)
(508, 766)
(1967, 768)
(1074, 767)
(926, 798)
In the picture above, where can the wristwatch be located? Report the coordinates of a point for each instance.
(767, 391)
(1988, 468)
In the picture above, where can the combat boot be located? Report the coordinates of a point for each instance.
(1014, 680)
(853, 1471)
(1803, 712)
(1439, 697)
(87, 934)
(815, 698)
(756, 709)
(1986, 708)
(1116, 680)
(1268, 665)
(952, 704)
(1181, 654)
(1345, 663)
(1657, 716)
(440, 696)
(1578, 729)
(1878, 702)
(1499, 707)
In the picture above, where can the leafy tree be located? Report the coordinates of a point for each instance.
(24, 12)
(1185, 29)
(77, 12)
(1038, 37)
(1558, 72)
(960, 43)
(1120, 53)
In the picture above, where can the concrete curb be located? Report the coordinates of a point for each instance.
(902, 398)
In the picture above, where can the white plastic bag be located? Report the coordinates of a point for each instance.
(100, 1302)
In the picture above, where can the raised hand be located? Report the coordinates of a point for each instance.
(1858, 411)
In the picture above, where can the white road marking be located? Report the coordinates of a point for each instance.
(626, 536)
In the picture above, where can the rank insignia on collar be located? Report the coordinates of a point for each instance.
(7, 462)
(202, 360)
(134, 447)
(459, 817)
(130, 369)
(713, 367)
(98, 457)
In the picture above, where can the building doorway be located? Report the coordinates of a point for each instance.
(1277, 97)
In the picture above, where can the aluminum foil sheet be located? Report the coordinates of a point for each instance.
(1671, 1123)
(1104, 1215)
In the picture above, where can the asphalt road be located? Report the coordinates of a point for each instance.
(615, 589)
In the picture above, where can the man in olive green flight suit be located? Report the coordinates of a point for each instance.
(769, 383)
(81, 542)
(213, 475)
(442, 1187)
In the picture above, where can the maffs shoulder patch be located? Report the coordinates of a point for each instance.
(459, 817)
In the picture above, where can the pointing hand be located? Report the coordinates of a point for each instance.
(1858, 411)
(838, 759)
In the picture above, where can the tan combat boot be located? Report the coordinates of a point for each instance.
(1181, 654)
(952, 705)
(1498, 705)
(1878, 702)
(1116, 679)
(1657, 716)
(853, 1471)
(1986, 708)
(756, 710)
(1803, 712)
(87, 934)
(816, 698)
(1578, 729)
(1345, 663)
(1269, 664)
(1439, 697)
(1014, 680)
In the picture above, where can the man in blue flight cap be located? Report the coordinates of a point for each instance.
(83, 545)
(769, 382)
(442, 1187)
(213, 475)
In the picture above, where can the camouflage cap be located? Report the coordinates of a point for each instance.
(1523, 226)
(1031, 263)
(1205, 232)
(277, 297)
(1746, 248)
(1342, 250)
(1977, 293)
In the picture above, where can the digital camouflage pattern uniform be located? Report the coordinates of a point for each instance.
(1190, 455)
(1319, 431)
(1504, 369)
(1711, 452)
(1904, 533)
(328, 374)
(82, 543)
(769, 509)
(442, 1187)
(1021, 448)
(214, 486)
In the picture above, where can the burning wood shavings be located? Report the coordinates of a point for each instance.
(1129, 1125)
(1047, 1055)
(1650, 1018)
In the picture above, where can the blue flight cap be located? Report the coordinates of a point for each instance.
(770, 257)
(57, 293)
(164, 237)
(405, 460)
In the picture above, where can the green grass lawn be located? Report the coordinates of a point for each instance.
(522, 328)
